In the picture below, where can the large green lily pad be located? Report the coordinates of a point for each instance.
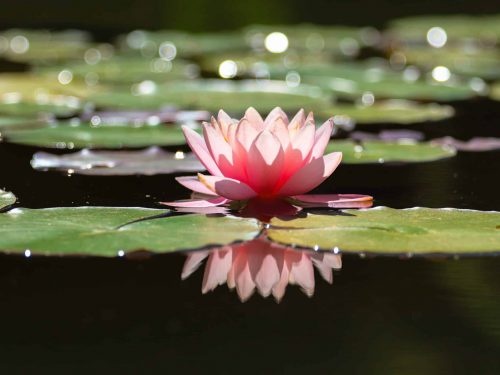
(16, 122)
(386, 230)
(389, 152)
(352, 80)
(122, 69)
(84, 135)
(212, 95)
(484, 28)
(6, 199)
(101, 231)
(390, 111)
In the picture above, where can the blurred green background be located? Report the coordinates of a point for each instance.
(112, 16)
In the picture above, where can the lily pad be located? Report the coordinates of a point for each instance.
(102, 231)
(212, 95)
(84, 135)
(384, 230)
(475, 144)
(147, 162)
(122, 69)
(389, 111)
(17, 122)
(352, 80)
(6, 199)
(405, 151)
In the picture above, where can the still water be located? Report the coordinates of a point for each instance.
(379, 316)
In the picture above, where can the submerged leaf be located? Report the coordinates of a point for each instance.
(102, 231)
(385, 152)
(384, 230)
(150, 161)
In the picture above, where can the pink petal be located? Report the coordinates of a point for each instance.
(198, 146)
(303, 140)
(297, 122)
(332, 260)
(227, 187)
(321, 139)
(325, 271)
(335, 200)
(254, 118)
(265, 162)
(302, 274)
(245, 285)
(217, 145)
(197, 203)
(273, 115)
(311, 175)
(279, 128)
(246, 133)
(192, 183)
(192, 263)
(225, 121)
(217, 269)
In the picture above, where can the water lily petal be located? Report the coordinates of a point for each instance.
(217, 269)
(334, 200)
(228, 187)
(311, 175)
(192, 263)
(302, 274)
(321, 139)
(275, 113)
(197, 203)
(192, 183)
(199, 147)
(297, 121)
(279, 128)
(254, 118)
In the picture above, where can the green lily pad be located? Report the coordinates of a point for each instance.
(390, 111)
(149, 43)
(16, 122)
(457, 27)
(351, 81)
(384, 230)
(389, 152)
(212, 95)
(495, 91)
(122, 69)
(101, 231)
(84, 135)
(480, 62)
(35, 46)
(6, 199)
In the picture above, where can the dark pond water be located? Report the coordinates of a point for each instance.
(380, 316)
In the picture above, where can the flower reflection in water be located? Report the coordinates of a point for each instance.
(263, 266)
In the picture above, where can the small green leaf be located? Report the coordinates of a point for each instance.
(6, 199)
(66, 135)
(101, 231)
(384, 230)
(386, 152)
(390, 111)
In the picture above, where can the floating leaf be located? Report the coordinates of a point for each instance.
(212, 95)
(352, 80)
(6, 199)
(113, 163)
(457, 27)
(19, 122)
(384, 230)
(393, 135)
(103, 231)
(387, 152)
(474, 144)
(122, 69)
(389, 111)
(164, 115)
(84, 135)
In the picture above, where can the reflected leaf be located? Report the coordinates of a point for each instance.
(389, 111)
(6, 199)
(83, 135)
(262, 266)
(118, 163)
(212, 95)
(474, 144)
(102, 231)
(389, 152)
(384, 230)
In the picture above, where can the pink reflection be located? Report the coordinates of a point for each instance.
(263, 266)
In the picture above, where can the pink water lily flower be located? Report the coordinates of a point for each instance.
(263, 266)
(268, 158)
